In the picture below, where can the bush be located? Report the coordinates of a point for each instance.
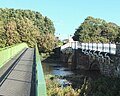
(54, 88)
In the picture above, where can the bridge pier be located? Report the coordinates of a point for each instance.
(82, 60)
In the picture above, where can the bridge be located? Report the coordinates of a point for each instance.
(93, 56)
(21, 71)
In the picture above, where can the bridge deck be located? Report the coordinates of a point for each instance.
(18, 82)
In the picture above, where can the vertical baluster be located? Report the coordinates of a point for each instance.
(76, 45)
(92, 46)
(97, 46)
(103, 47)
(109, 47)
(85, 45)
(81, 45)
(88, 45)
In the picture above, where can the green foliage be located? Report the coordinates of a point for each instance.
(97, 30)
(54, 88)
(106, 86)
(28, 26)
(103, 86)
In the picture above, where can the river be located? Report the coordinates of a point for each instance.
(73, 76)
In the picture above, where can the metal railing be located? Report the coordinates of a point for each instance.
(102, 47)
(9, 52)
(41, 85)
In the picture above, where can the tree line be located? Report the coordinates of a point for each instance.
(97, 30)
(28, 26)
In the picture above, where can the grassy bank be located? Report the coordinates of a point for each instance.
(103, 86)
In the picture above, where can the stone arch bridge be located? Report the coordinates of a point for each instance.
(93, 56)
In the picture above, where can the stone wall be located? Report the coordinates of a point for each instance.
(108, 65)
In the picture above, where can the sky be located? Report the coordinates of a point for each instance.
(67, 15)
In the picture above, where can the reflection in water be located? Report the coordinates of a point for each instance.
(56, 69)
(60, 70)
(74, 78)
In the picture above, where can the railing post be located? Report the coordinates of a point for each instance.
(109, 47)
(85, 45)
(97, 46)
(103, 47)
(76, 43)
(88, 45)
(92, 46)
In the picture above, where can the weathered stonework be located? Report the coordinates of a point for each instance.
(109, 66)
(117, 62)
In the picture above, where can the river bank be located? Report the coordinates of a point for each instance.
(86, 83)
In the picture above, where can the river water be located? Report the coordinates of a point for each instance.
(60, 69)
(56, 69)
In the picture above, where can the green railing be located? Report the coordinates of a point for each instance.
(8, 52)
(41, 85)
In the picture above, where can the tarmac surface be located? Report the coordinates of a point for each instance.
(18, 81)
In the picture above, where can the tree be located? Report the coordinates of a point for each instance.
(96, 30)
(12, 35)
(26, 26)
(3, 38)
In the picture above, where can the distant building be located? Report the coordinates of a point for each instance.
(70, 39)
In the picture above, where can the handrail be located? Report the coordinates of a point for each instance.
(41, 85)
(8, 52)
(103, 47)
